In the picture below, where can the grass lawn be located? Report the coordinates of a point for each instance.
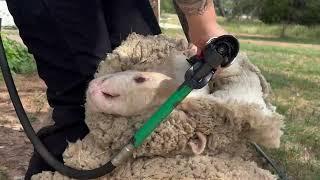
(257, 30)
(294, 33)
(294, 74)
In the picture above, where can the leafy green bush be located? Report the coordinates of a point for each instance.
(20, 61)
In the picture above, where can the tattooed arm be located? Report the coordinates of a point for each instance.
(194, 7)
(201, 20)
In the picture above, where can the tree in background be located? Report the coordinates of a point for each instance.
(250, 8)
(277, 11)
(310, 15)
(304, 12)
(219, 5)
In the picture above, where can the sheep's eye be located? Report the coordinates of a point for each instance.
(139, 79)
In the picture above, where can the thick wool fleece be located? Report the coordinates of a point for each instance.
(236, 111)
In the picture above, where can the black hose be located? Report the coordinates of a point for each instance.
(280, 173)
(38, 145)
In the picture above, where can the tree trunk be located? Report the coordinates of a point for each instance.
(283, 31)
(219, 5)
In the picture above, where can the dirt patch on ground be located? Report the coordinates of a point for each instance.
(15, 148)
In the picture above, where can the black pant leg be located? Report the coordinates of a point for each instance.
(127, 16)
(56, 144)
(68, 39)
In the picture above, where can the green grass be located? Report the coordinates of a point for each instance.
(294, 75)
(169, 18)
(293, 33)
(279, 39)
(32, 118)
(247, 29)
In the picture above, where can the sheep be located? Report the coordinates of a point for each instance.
(180, 167)
(205, 137)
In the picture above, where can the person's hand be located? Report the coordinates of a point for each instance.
(203, 29)
(200, 33)
(200, 41)
(199, 36)
(202, 23)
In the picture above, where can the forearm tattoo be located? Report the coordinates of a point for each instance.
(193, 7)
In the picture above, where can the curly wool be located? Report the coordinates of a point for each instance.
(181, 167)
(236, 112)
(233, 112)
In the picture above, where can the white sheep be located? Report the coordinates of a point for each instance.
(205, 137)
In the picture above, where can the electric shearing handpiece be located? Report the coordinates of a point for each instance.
(218, 53)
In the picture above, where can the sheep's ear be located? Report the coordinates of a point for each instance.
(199, 144)
(166, 88)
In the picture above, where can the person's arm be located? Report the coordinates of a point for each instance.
(201, 20)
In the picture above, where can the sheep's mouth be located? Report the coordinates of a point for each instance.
(110, 95)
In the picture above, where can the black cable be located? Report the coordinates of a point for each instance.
(28, 129)
(281, 174)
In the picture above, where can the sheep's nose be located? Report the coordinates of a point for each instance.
(94, 88)
(106, 78)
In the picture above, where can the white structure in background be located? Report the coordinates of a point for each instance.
(7, 19)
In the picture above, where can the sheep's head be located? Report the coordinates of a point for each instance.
(129, 92)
